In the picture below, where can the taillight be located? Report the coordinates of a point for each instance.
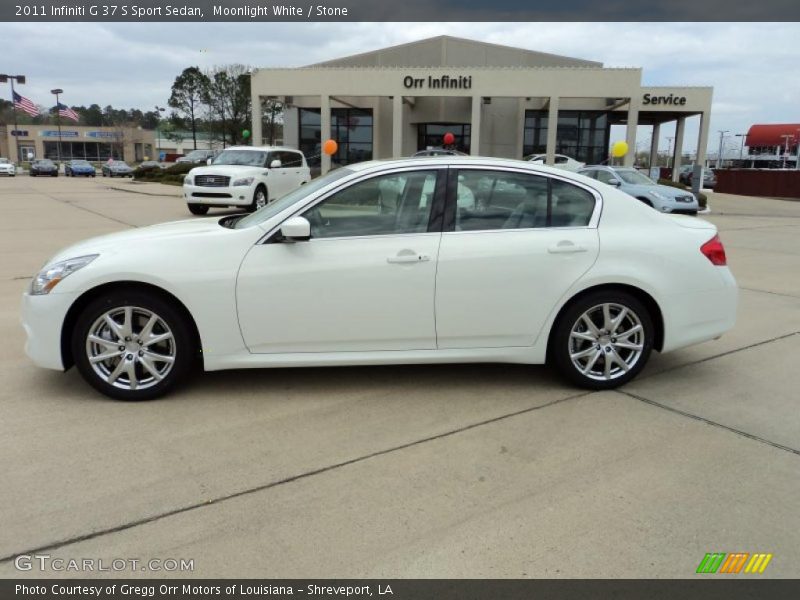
(714, 251)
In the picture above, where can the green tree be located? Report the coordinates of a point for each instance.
(188, 92)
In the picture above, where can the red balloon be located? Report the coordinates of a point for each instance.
(449, 138)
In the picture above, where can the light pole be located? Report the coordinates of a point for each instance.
(741, 148)
(159, 110)
(58, 91)
(786, 137)
(21, 80)
(669, 150)
(719, 154)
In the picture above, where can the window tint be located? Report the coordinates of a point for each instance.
(389, 204)
(288, 159)
(561, 160)
(571, 206)
(500, 200)
(605, 176)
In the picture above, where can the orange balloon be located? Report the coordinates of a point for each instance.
(330, 147)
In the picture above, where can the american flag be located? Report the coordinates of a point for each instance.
(22, 103)
(66, 112)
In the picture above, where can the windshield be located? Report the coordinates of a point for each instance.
(247, 158)
(118, 163)
(270, 210)
(45, 162)
(80, 163)
(635, 178)
(197, 154)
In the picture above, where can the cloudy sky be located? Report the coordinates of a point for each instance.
(753, 67)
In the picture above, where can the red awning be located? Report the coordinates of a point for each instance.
(770, 135)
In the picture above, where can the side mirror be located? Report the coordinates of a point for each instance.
(275, 164)
(209, 161)
(296, 229)
(615, 182)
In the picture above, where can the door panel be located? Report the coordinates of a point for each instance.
(342, 294)
(365, 281)
(496, 288)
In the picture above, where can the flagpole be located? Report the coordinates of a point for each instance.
(58, 91)
(16, 127)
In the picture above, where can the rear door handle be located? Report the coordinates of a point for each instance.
(401, 259)
(566, 247)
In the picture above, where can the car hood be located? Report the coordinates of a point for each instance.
(226, 170)
(122, 241)
(664, 190)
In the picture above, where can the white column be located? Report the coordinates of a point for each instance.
(475, 127)
(702, 139)
(255, 128)
(397, 126)
(552, 130)
(654, 145)
(630, 132)
(680, 126)
(324, 131)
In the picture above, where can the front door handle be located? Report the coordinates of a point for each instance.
(566, 247)
(405, 257)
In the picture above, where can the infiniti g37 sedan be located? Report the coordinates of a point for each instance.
(451, 259)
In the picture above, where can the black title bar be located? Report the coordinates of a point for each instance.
(408, 10)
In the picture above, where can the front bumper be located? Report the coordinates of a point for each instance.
(42, 319)
(240, 195)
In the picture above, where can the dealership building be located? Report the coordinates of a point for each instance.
(75, 141)
(496, 101)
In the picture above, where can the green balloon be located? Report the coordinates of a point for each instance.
(246, 133)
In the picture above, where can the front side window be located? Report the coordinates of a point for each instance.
(633, 177)
(385, 205)
(606, 177)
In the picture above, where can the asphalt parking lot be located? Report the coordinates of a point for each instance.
(415, 471)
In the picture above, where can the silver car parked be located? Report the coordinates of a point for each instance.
(663, 198)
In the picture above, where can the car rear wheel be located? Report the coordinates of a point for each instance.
(132, 345)
(602, 340)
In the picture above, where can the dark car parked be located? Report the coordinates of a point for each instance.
(150, 165)
(76, 168)
(118, 168)
(709, 177)
(43, 166)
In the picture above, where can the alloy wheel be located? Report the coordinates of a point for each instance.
(606, 341)
(130, 348)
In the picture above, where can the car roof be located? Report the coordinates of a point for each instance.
(263, 148)
(465, 161)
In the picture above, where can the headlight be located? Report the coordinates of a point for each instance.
(49, 277)
(658, 195)
(187, 180)
(243, 181)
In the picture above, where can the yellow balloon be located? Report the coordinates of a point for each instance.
(619, 149)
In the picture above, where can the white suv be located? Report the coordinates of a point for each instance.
(245, 176)
(7, 167)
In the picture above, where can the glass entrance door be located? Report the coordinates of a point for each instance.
(431, 135)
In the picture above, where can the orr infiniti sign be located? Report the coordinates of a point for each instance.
(458, 82)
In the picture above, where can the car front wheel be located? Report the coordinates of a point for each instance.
(197, 209)
(603, 340)
(260, 199)
(132, 345)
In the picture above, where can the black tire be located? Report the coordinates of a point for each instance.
(185, 346)
(561, 342)
(197, 209)
(254, 204)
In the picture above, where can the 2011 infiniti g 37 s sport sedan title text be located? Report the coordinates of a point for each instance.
(450, 259)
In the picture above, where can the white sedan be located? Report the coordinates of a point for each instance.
(386, 263)
(560, 161)
(7, 167)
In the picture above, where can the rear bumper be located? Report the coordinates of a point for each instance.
(691, 318)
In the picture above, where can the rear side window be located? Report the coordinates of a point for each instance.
(290, 159)
(496, 200)
(570, 206)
